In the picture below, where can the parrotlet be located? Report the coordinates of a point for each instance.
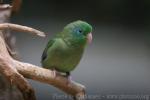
(64, 52)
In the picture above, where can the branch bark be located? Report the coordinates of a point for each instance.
(16, 78)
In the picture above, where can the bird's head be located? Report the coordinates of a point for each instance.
(79, 31)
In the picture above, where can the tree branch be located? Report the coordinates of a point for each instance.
(46, 76)
(13, 69)
(21, 28)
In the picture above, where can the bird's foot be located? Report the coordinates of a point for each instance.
(69, 77)
(54, 73)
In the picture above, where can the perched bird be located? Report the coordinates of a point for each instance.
(65, 50)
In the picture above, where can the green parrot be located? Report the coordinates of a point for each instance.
(65, 50)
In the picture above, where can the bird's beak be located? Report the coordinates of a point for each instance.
(89, 38)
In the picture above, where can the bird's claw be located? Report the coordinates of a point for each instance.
(69, 80)
(54, 73)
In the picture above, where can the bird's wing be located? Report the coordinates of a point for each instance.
(44, 55)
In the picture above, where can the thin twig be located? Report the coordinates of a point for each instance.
(21, 28)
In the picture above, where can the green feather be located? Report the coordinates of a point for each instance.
(65, 50)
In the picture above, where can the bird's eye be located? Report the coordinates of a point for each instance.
(78, 31)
